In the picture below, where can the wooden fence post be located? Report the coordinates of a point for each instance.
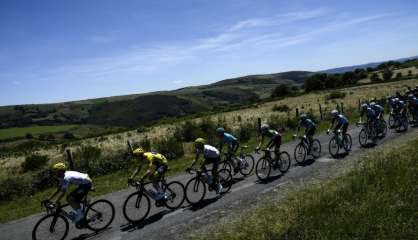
(297, 112)
(320, 112)
(259, 124)
(131, 150)
(70, 159)
(342, 108)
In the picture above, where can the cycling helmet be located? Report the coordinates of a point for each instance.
(334, 113)
(303, 116)
(364, 106)
(264, 127)
(372, 104)
(396, 99)
(199, 142)
(59, 167)
(220, 130)
(410, 96)
(138, 152)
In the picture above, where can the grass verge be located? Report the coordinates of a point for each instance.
(378, 199)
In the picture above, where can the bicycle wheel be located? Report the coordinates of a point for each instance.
(263, 169)
(363, 137)
(316, 148)
(99, 215)
(284, 162)
(51, 226)
(333, 147)
(384, 128)
(300, 153)
(226, 165)
(195, 190)
(225, 179)
(391, 121)
(248, 165)
(136, 207)
(405, 123)
(175, 195)
(347, 142)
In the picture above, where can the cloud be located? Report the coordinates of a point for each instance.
(236, 40)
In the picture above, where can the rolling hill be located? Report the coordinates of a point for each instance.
(132, 110)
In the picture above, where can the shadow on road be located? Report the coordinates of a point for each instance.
(340, 155)
(306, 163)
(203, 203)
(130, 227)
(270, 179)
(91, 235)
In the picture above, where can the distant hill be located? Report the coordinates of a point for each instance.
(132, 110)
(362, 66)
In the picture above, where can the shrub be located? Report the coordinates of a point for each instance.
(29, 136)
(281, 108)
(145, 143)
(34, 162)
(68, 135)
(14, 186)
(335, 95)
(86, 156)
(398, 75)
(282, 90)
(169, 147)
(387, 74)
(50, 137)
(141, 129)
(246, 131)
(375, 78)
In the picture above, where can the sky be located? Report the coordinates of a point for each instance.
(55, 51)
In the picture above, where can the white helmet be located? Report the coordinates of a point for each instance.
(334, 112)
(264, 127)
(372, 104)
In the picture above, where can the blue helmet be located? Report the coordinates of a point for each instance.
(220, 130)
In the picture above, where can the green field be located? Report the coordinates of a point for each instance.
(36, 130)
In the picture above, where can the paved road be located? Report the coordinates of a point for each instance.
(163, 223)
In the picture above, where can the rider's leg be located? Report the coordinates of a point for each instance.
(75, 198)
(215, 165)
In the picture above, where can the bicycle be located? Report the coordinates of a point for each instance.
(244, 163)
(367, 132)
(138, 204)
(382, 127)
(337, 141)
(97, 216)
(302, 149)
(196, 186)
(266, 163)
(400, 122)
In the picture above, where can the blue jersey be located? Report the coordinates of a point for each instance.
(307, 123)
(341, 119)
(229, 139)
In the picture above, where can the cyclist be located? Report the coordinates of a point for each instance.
(275, 137)
(210, 155)
(371, 116)
(232, 143)
(156, 165)
(66, 178)
(379, 110)
(227, 138)
(416, 91)
(414, 103)
(342, 122)
(309, 126)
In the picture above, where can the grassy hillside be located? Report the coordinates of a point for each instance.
(378, 199)
(132, 110)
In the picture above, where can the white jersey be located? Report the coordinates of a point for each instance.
(209, 151)
(73, 177)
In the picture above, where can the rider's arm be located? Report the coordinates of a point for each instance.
(52, 196)
(136, 171)
(195, 160)
(331, 124)
(60, 196)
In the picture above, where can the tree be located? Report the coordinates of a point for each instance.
(315, 82)
(399, 75)
(387, 74)
(281, 91)
(349, 78)
(370, 69)
(375, 77)
(409, 73)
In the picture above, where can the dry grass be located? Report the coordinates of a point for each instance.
(306, 103)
